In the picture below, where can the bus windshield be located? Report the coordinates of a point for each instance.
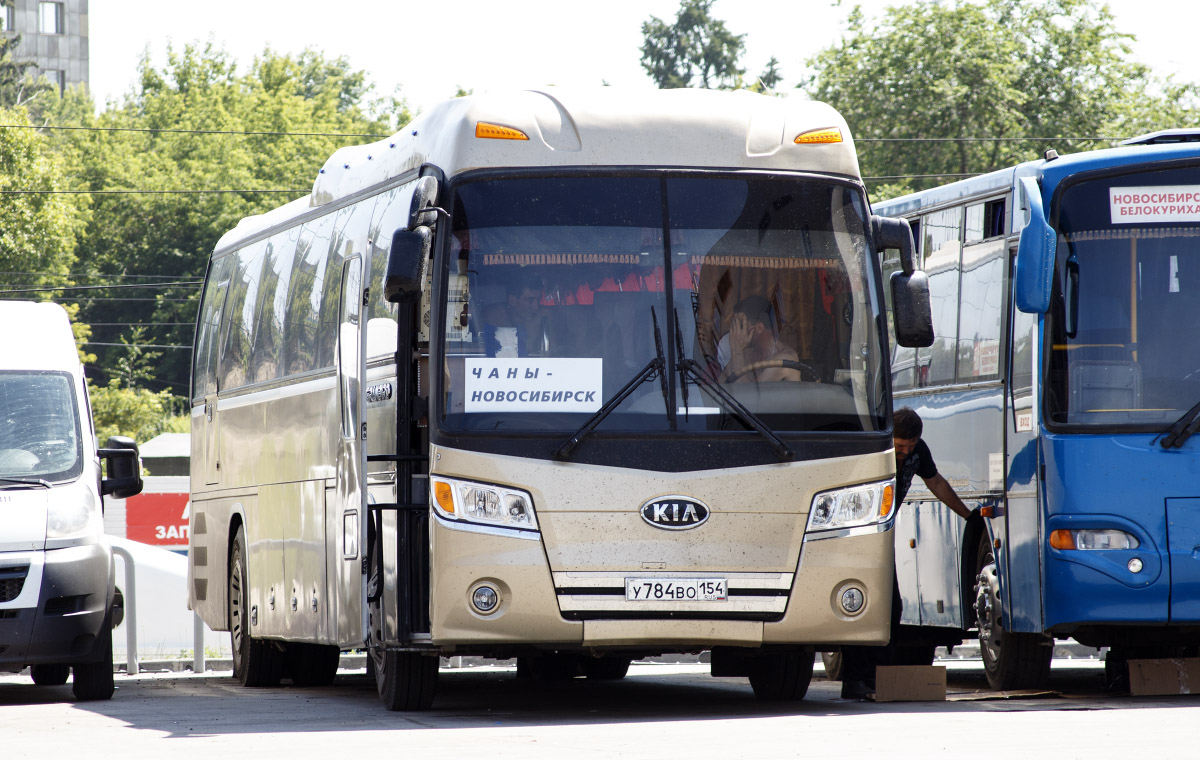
(564, 290)
(39, 431)
(1133, 359)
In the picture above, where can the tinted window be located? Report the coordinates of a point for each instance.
(940, 254)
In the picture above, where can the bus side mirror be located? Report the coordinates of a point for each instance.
(422, 212)
(406, 265)
(124, 466)
(1033, 274)
(911, 313)
(894, 233)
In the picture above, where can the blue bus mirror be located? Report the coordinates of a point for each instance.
(894, 233)
(911, 312)
(422, 211)
(406, 265)
(1033, 273)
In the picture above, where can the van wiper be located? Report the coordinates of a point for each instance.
(691, 368)
(656, 367)
(1176, 435)
(16, 483)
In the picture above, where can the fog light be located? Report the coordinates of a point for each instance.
(1135, 565)
(485, 599)
(852, 600)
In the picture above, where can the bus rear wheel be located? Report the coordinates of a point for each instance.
(782, 676)
(405, 680)
(1010, 660)
(256, 662)
(312, 664)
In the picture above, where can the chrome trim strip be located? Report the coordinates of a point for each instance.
(766, 581)
(486, 530)
(859, 530)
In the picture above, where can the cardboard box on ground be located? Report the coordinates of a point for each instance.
(910, 683)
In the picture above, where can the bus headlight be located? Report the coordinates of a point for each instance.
(1093, 539)
(483, 504)
(852, 507)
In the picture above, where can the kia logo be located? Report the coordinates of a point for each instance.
(674, 513)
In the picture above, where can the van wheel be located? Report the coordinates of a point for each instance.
(94, 680)
(256, 662)
(1010, 660)
(782, 676)
(49, 675)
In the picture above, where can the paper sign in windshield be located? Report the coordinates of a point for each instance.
(534, 385)
(1142, 205)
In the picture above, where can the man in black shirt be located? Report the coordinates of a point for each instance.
(912, 458)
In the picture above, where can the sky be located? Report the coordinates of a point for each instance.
(429, 49)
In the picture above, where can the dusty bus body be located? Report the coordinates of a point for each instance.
(569, 377)
(56, 568)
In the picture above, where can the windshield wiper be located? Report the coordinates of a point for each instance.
(13, 483)
(691, 368)
(1176, 435)
(655, 367)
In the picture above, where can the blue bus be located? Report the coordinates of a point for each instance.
(1060, 397)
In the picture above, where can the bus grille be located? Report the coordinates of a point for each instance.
(12, 580)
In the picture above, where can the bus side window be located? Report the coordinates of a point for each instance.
(266, 358)
(940, 254)
(204, 377)
(238, 320)
(304, 300)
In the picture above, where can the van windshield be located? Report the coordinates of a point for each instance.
(39, 427)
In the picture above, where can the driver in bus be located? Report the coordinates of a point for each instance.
(755, 352)
(516, 327)
(912, 458)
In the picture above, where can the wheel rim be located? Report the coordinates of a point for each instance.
(237, 607)
(988, 612)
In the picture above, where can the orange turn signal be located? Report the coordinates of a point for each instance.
(820, 136)
(885, 508)
(444, 494)
(1062, 539)
(498, 132)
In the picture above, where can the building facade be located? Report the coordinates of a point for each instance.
(54, 37)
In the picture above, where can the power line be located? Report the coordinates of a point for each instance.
(133, 345)
(165, 130)
(104, 287)
(149, 192)
(97, 274)
(985, 139)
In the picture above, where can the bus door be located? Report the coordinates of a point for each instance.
(1019, 529)
(206, 357)
(351, 456)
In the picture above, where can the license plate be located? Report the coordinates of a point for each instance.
(675, 590)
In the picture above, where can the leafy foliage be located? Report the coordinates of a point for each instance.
(967, 87)
(695, 51)
(135, 412)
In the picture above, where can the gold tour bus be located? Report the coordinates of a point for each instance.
(570, 377)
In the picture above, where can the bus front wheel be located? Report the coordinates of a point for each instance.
(782, 676)
(256, 662)
(1010, 660)
(404, 680)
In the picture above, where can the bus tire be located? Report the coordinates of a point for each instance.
(405, 680)
(49, 675)
(94, 680)
(782, 676)
(607, 668)
(1010, 660)
(312, 664)
(256, 662)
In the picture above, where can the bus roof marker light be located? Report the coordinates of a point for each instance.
(822, 136)
(487, 130)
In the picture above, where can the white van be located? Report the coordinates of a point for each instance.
(56, 566)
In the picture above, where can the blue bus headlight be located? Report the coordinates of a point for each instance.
(851, 507)
(483, 504)
(1089, 539)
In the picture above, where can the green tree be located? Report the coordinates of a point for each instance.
(193, 149)
(963, 87)
(38, 236)
(135, 412)
(694, 51)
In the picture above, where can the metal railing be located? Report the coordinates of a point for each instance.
(131, 657)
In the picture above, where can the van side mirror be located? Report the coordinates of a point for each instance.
(911, 312)
(1033, 271)
(124, 467)
(894, 233)
(406, 265)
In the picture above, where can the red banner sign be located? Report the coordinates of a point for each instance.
(160, 519)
